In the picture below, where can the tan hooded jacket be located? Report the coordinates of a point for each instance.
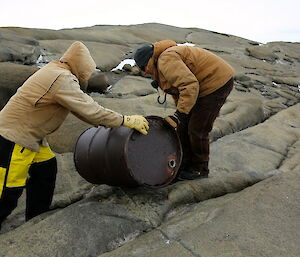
(43, 102)
(187, 72)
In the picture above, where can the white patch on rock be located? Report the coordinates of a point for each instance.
(40, 59)
(121, 64)
(186, 44)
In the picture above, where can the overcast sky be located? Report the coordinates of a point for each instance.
(259, 20)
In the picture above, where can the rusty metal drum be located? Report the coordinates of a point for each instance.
(124, 157)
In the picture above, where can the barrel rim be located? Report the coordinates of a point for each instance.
(75, 147)
(154, 117)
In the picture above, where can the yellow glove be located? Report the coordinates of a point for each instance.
(137, 122)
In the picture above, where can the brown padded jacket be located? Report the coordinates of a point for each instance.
(43, 102)
(187, 72)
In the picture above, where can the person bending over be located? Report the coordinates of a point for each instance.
(37, 109)
(199, 82)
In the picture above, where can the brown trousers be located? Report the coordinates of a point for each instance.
(194, 133)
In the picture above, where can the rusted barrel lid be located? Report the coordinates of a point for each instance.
(124, 157)
(153, 160)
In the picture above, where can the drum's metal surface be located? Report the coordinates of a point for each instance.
(124, 157)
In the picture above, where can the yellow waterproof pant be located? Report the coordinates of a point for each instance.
(16, 172)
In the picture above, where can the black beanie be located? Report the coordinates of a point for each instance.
(143, 55)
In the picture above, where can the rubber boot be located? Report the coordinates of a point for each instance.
(40, 187)
(9, 201)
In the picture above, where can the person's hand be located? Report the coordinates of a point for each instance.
(175, 119)
(137, 122)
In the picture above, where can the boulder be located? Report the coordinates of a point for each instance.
(135, 71)
(19, 53)
(98, 82)
(272, 139)
(127, 67)
(236, 115)
(12, 76)
(16, 48)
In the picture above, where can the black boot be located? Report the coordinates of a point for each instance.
(40, 187)
(9, 201)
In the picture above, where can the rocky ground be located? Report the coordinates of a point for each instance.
(249, 206)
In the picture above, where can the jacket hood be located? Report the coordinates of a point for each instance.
(159, 47)
(79, 60)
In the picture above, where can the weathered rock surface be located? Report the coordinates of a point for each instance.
(12, 76)
(255, 146)
(147, 209)
(111, 44)
(18, 48)
(106, 56)
(70, 187)
(262, 220)
(262, 53)
(272, 139)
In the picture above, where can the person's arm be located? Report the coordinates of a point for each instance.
(70, 96)
(179, 75)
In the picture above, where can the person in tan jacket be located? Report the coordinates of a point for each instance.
(199, 82)
(37, 109)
